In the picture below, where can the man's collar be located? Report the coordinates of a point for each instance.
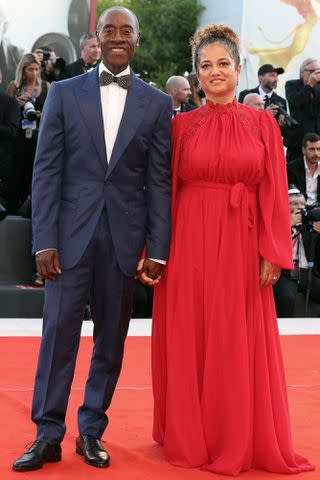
(102, 68)
(262, 93)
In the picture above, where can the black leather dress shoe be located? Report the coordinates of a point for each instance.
(92, 450)
(39, 453)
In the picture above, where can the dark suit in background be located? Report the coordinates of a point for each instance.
(9, 126)
(304, 105)
(10, 56)
(74, 69)
(184, 107)
(297, 176)
(274, 98)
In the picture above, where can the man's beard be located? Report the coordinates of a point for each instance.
(270, 86)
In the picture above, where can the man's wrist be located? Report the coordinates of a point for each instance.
(46, 250)
(162, 262)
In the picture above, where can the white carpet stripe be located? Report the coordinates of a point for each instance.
(31, 327)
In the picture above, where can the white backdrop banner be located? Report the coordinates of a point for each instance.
(280, 32)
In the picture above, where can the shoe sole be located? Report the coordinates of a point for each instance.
(54, 459)
(92, 464)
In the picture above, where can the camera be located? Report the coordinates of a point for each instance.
(291, 122)
(29, 112)
(46, 55)
(309, 215)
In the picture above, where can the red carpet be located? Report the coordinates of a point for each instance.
(128, 437)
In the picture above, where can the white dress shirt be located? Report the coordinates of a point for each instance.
(113, 99)
(263, 94)
(311, 184)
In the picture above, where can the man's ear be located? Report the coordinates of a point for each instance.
(98, 38)
(138, 40)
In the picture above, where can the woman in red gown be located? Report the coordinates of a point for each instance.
(218, 377)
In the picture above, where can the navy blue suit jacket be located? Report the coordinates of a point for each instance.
(72, 181)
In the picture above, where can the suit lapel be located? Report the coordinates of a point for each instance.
(302, 175)
(133, 114)
(91, 111)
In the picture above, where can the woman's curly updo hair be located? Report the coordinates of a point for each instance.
(217, 33)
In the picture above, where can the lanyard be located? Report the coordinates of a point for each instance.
(34, 96)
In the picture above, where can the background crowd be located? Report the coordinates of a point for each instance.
(298, 117)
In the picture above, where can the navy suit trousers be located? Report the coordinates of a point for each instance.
(97, 274)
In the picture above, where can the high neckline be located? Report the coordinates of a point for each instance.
(222, 107)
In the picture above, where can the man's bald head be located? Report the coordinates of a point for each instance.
(176, 81)
(179, 89)
(254, 100)
(118, 9)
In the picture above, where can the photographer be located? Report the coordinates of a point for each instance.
(305, 233)
(30, 92)
(303, 96)
(9, 124)
(90, 52)
(304, 171)
(268, 80)
(52, 66)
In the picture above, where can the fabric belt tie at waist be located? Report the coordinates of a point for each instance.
(239, 194)
(238, 191)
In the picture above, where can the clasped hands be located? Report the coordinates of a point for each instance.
(48, 266)
(149, 272)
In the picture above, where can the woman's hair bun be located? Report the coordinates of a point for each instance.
(218, 31)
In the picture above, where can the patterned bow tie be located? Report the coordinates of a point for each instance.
(107, 78)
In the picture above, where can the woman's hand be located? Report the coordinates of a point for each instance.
(21, 101)
(269, 274)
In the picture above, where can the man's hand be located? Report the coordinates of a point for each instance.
(282, 120)
(273, 109)
(314, 78)
(296, 218)
(48, 265)
(149, 272)
(316, 227)
(39, 54)
(269, 274)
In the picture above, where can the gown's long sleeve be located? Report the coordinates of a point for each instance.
(274, 231)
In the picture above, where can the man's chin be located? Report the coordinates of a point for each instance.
(117, 66)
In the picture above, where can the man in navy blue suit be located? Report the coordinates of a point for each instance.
(101, 192)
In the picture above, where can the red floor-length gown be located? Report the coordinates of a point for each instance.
(218, 377)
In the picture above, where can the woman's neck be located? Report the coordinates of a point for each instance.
(30, 83)
(221, 99)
